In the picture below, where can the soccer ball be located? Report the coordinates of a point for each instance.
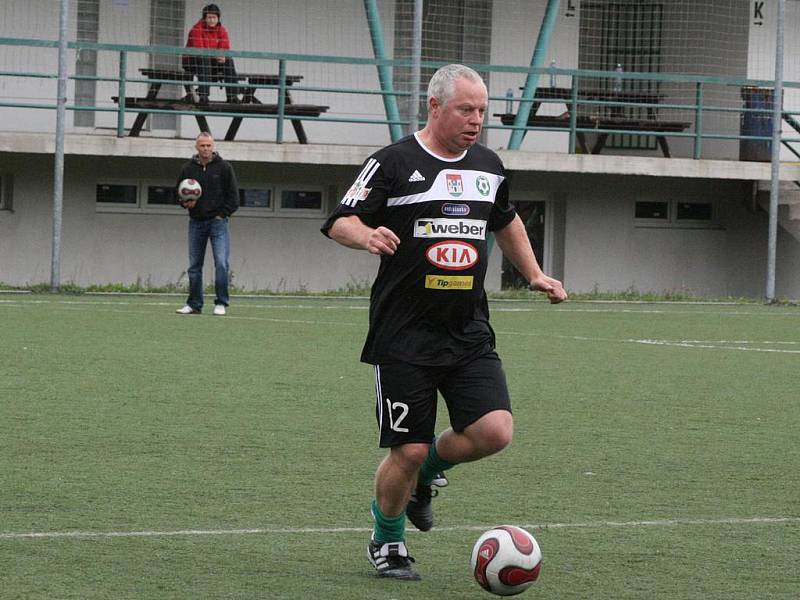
(506, 560)
(189, 189)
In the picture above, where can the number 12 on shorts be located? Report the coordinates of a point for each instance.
(402, 408)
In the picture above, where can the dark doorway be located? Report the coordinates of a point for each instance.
(532, 215)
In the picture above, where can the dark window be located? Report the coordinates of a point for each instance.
(163, 195)
(167, 29)
(652, 210)
(301, 200)
(116, 193)
(254, 198)
(86, 61)
(627, 34)
(453, 31)
(695, 211)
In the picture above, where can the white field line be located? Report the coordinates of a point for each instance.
(695, 344)
(247, 306)
(332, 530)
(705, 344)
(497, 306)
(740, 345)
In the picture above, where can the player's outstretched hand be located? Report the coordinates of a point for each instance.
(382, 241)
(552, 287)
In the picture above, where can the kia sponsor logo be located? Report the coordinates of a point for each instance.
(472, 229)
(452, 255)
(455, 210)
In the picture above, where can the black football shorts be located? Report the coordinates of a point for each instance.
(406, 397)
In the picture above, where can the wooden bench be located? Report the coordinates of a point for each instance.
(144, 105)
(250, 104)
(603, 124)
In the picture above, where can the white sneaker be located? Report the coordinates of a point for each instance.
(219, 310)
(187, 310)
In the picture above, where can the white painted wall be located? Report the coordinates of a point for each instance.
(603, 248)
(606, 251)
(280, 254)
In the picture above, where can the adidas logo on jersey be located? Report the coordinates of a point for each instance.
(416, 176)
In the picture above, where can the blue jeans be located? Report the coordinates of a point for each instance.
(200, 231)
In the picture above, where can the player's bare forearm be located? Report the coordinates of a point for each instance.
(513, 241)
(352, 232)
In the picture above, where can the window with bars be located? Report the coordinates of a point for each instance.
(167, 29)
(86, 61)
(677, 214)
(627, 34)
(453, 31)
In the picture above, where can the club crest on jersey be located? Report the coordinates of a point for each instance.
(455, 187)
(452, 255)
(455, 210)
(359, 190)
(483, 185)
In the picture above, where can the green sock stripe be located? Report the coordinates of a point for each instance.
(433, 464)
(388, 529)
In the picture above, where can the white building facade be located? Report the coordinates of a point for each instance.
(626, 219)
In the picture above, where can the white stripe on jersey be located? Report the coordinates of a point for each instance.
(439, 189)
(358, 191)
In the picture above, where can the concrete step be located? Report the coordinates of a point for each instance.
(788, 198)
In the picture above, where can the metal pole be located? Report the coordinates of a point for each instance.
(123, 72)
(416, 69)
(384, 72)
(281, 100)
(58, 171)
(532, 81)
(777, 124)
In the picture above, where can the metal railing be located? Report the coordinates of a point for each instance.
(695, 104)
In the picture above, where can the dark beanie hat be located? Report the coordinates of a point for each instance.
(211, 8)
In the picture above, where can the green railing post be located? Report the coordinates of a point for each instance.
(698, 120)
(573, 115)
(281, 99)
(123, 69)
(384, 72)
(532, 81)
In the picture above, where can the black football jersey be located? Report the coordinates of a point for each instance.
(428, 305)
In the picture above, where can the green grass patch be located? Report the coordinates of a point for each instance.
(654, 456)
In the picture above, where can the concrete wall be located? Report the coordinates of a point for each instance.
(594, 241)
(277, 253)
(605, 250)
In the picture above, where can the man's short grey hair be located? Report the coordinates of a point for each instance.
(442, 85)
(204, 134)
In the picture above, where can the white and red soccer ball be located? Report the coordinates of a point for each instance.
(506, 560)
(189, 189)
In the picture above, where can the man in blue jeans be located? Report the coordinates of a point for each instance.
(208, 220)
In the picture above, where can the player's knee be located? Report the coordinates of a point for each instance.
(497, 439)
(412, 455)
(496, 432)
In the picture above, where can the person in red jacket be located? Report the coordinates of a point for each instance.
(209, 32)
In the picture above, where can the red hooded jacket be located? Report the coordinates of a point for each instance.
(202, 36)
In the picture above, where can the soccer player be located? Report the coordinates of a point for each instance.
(425, 205)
